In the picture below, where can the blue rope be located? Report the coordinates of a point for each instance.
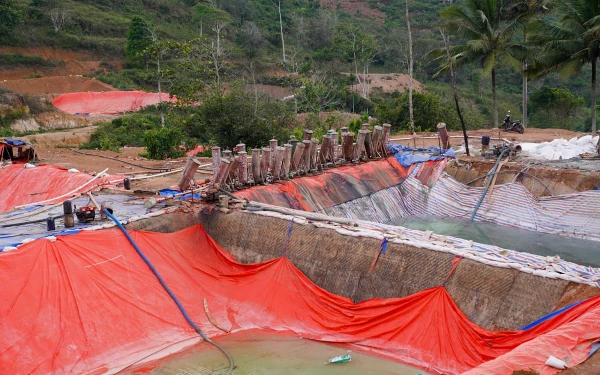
(171, 294)
(284, 247)
(383, 251)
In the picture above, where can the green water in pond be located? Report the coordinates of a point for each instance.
(275, 354)
(575, 250)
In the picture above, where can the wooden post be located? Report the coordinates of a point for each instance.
(273, 147)
(222, 173)
(293, 141)
(297, 157)
(287, 159)
(348, 145)
(305, 161)
(387, 128)
(235, 167)
(377, 140)
(314, 161)
(278, 159)
(307, 135)
(256, 176)
(325, 150)
(216, 160)
(265, 161)
(187, 176)
(360, 145)
(243, 170)
(334, 147)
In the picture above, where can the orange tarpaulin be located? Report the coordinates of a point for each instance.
(110, 102)
(22, 185)
(332, 187)
(88, 304)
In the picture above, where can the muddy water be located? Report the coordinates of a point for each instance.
(578, 251)
(274, 354)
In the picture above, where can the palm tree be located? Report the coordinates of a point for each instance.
(533, 9)
(571, 42)
(488, 35)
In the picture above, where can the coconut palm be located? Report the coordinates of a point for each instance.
(532, 9)
(571, 42)
(489, 38)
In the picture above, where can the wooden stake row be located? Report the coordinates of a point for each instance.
(297, 158)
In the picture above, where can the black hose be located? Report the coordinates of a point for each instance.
(171, 294)
(513, 171)
(121, 161)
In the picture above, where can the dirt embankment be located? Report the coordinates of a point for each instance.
(75, 63)
(357, 8)
(531, 135)
(384, 83)
(55, 85)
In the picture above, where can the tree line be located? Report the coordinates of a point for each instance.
(534, 37)
(215, 76)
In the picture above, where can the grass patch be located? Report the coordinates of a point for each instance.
(15, 60)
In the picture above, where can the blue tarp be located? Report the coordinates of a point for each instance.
(408, 156)
(171, 192)
(15, 142)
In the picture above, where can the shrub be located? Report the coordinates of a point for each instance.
(163, 143)
(128, 130)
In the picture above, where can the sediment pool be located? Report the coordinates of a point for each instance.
(575, 250)
(271, 353)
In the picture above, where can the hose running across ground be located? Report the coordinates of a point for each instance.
(171, 294)
(515, 172)
(120, 161)
(489, 182)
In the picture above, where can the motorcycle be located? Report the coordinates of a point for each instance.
(514, 126)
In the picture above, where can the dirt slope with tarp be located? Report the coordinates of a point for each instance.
(102, 103)
(87, 303)
(44, 184)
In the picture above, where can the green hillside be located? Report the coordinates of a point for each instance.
(320, 44)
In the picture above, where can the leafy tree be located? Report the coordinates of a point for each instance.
(571, 42)
(10, 17)
(138, 40)
(489, 39)
(551, 106)
(163, 143)
(251, 39)
(359, 47)
(320, 92)
(429, 110)
(239, 116)
(198, 71)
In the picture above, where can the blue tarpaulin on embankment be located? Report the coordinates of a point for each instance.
(408, 156)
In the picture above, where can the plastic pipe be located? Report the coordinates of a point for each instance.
(515, 172)
(487, 186)
(168, 290)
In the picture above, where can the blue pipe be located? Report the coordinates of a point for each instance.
(171, 294)
(549, 316)
(487, 186)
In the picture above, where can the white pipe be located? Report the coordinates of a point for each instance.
(156, 175)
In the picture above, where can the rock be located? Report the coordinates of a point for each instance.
(25, 125)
